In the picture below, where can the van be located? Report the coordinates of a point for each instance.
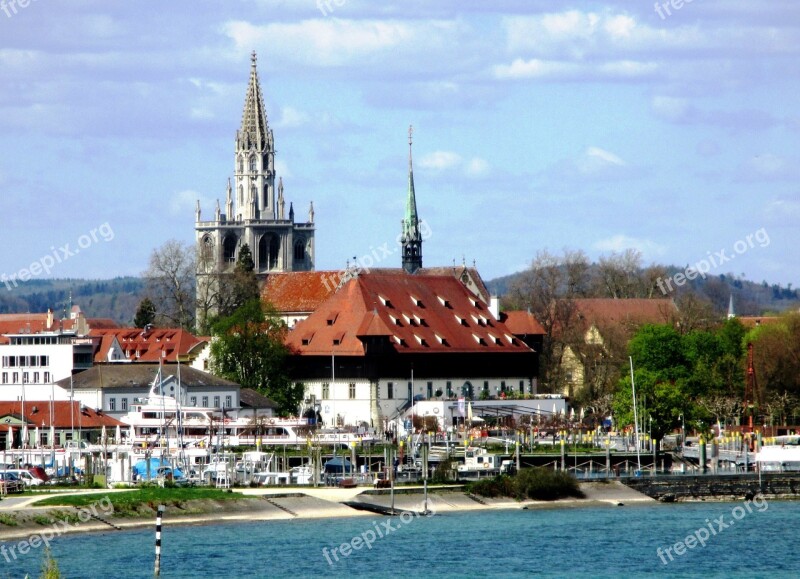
(26, 477)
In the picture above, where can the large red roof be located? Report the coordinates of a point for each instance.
(65, 414)
(521, 323)
(414, 313)
(299, 291)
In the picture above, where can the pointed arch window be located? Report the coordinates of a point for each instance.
(253, 164)
(241, 163)
(300, 250)
(229, 249)
(268, 251)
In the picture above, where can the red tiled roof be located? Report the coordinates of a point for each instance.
(299, 291)
(634, 311)
(521, 323)
(415, 313)
(38, 414)
(151, 346)
(32, 324)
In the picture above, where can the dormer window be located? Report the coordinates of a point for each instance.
(417, 302)
(332, 318)
(444, 302)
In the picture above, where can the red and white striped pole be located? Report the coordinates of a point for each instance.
(158, 539)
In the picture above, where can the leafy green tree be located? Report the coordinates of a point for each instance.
(145, 313)
(249, 349)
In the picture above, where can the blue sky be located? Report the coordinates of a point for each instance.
(538, 125)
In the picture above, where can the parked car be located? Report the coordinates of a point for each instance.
(27, 477)
(10, 483)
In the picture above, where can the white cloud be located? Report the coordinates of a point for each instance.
(292, 118)
(769, 167)
(185, 202)
(620, 242)
(440, 160)
(596, 160)
(477, 167)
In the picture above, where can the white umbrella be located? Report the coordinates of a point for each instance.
(36, 437)
(118, 435)
(103, 435)
(469, 412)
(10, 439)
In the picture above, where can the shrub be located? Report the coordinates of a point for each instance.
(543, 484)
(529, 483)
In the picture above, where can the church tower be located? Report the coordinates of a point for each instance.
(411, 239)
(253, 215)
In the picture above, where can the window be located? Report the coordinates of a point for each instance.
(299, 250)
(112, 404)
(352, 391)
(5, 377)
(44, 360)
(124, 404)
(205, 401)
(253, 164)
(430, 390)
(193, 401)
(449, 389)
(390, 390)
(36, 377)
(25, 377)
(326, 391)
(522, 386)
(16, 377)
(228, 401)
(216, 401)
(502, 386)
(486, 385)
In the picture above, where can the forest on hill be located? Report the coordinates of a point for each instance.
(115, 298)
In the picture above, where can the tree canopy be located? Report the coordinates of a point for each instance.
(248, 348)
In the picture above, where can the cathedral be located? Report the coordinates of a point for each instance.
(255, 212)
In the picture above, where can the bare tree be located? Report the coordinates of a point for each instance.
(170, 284)
(547, 289)
(619, 275)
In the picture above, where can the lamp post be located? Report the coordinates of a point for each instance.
(683, 434)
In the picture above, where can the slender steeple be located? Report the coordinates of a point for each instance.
(411, 238)
(255, 156)
(731, 313)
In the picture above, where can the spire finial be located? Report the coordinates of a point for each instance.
(410, 140)
(253, 59)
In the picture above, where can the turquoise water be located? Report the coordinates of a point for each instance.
(573, 542)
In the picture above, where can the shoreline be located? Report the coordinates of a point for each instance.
(282, 504)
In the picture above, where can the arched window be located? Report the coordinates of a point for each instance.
(300, 250)
(253, 164)
(268, 250)
(207, 251)
(241, 163)
(229, 249)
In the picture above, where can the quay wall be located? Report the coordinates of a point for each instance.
(719, 487)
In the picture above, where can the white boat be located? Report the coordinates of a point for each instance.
(782, 454)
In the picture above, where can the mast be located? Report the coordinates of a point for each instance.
(635, 417)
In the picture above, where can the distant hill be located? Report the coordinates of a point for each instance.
(115, 298)
(749, 298)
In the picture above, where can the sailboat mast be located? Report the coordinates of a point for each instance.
(635, 417)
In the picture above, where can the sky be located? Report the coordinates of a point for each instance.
(670, 128)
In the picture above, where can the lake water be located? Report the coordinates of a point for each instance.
(758, 541)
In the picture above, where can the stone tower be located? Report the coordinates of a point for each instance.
(254, 206)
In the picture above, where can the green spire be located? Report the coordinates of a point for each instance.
(411, 240)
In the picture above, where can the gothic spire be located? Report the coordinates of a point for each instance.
(411, 238)
(255, 129)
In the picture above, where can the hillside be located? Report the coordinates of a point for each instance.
(750, 298)
(115, 298)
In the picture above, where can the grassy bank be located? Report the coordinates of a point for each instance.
(131, 501)
(536, 483)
